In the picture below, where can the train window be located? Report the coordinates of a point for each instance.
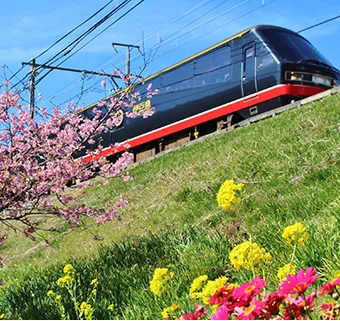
(142, 88)
(292, 47)
(185, 84)
(249, 61)
(179, 74)
(213, 77)
(264, 58)
(213, 60)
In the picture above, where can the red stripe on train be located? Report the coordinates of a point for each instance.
(216, 112)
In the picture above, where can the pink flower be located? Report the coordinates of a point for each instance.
(297, 308)
(247, 290)
(273, 303)
(221, 314)
(200, 311)
(254, 310)
(103, 83)
(222, 296)
(329, 287)
(298, 283)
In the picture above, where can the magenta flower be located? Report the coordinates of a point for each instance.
(221, 314)
(329, 287)
(298, 283)
(200, 311)
(247, 290)
(273, 303)
(297, 308)
(252, 312)
(222, 296)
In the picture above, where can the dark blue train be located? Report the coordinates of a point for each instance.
(254, 71)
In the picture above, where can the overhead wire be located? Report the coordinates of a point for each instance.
(247, 13)
(79, 38)
(123, 15)
(198, 26)
(319, 24)
(55, 43)
(110, 59)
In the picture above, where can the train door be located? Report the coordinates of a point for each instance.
(248, 72)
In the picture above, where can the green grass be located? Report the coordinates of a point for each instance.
(290, 168)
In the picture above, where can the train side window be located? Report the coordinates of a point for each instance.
(213, 60)
(264, 58)
(216, 76)
(142, 88)
(177, 75)
(249, 61)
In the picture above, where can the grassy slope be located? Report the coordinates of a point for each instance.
(290, 167)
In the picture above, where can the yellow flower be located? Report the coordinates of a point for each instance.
(50, 292)
(94, 292)
(68, 268)
(211, 287)
(226, 196)
(67, 279)
(58, 298)
(248, 255)
(167, 311)
(337, 275)
(111, 307)
(295, 234)
(197, 285)
(83, 306)
(2, 315)
(94, 282)
(287, 269)
(160, 278)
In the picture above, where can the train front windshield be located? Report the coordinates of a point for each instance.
(293, 48)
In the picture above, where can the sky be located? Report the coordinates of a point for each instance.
(167, 31)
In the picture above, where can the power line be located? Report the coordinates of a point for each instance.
(75, 42)
(318, 24)
(75, 28)
(245, 14)
(110, 59)
(123, 15)
(55, 43)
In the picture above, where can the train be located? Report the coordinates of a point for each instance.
(254, 71)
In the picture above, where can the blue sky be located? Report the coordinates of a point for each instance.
(177, 29)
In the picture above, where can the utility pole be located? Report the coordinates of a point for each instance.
(32, 87)
(129, 48)
(33, 71)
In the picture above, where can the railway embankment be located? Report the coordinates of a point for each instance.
(289, 165)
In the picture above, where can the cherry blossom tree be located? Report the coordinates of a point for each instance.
(37, 161)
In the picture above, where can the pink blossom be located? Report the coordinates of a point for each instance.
(221, 314)
(103, 83)
(298, 283)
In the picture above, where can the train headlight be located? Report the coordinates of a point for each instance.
(298, 76)
(309, 77)
(322, 80)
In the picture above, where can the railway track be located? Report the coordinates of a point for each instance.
(244, 123)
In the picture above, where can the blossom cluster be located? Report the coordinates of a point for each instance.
(160, 279)
(227, 194)
(248, 255)
(295, 234)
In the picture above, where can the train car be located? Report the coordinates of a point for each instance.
(258, 69)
